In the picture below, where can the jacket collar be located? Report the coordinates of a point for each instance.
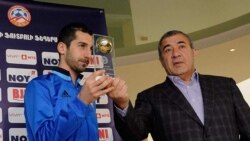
(64, 74)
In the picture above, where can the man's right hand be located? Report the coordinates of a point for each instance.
(119, 93)
(96, 84)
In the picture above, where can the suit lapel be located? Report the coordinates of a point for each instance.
(175, 95)
(208, 97)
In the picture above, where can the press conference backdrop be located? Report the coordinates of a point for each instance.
(28, 36)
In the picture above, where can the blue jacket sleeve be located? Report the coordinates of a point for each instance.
(47, 120)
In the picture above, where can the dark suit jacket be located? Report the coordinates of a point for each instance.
(163, 111)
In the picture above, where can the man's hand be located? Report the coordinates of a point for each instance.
(119, 93)
(96, 84)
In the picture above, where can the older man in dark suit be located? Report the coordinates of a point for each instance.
(188, 106)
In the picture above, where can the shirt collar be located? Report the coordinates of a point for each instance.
(65, 74)
(177, 79)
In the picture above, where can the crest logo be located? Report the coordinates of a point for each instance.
(19, 16)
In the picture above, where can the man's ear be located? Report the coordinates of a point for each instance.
(162, 62)
(61, 48)
(195, 52)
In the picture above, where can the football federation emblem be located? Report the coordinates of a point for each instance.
(19, 16)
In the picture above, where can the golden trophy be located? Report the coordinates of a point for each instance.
(103, 48)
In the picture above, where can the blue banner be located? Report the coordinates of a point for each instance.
(28, 36)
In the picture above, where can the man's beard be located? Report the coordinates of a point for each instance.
(80, 69)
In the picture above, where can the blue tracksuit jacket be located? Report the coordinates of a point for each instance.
(54, 113)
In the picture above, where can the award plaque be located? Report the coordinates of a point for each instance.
(103, 53)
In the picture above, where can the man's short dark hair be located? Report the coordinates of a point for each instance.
(67, 33)
(169, 34)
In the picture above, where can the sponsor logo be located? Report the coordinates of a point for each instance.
(0, 94)
(103, 115)
(1, 134)
(95, 61)
(105, 60)
(105, 134)
(1, 115)
(18, 134)
(102, 100)
(50, 58)
(1, 34)
(19, 16)
(16, 115)
(47, 71)
(14, 56)
(16, 75)
(16, 94)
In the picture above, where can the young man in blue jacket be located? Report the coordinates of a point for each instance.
(57, 107)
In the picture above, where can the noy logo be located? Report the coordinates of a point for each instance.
(18, 134)
(16, 75)
(19, 16)
(50, 58)
(50, 62)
